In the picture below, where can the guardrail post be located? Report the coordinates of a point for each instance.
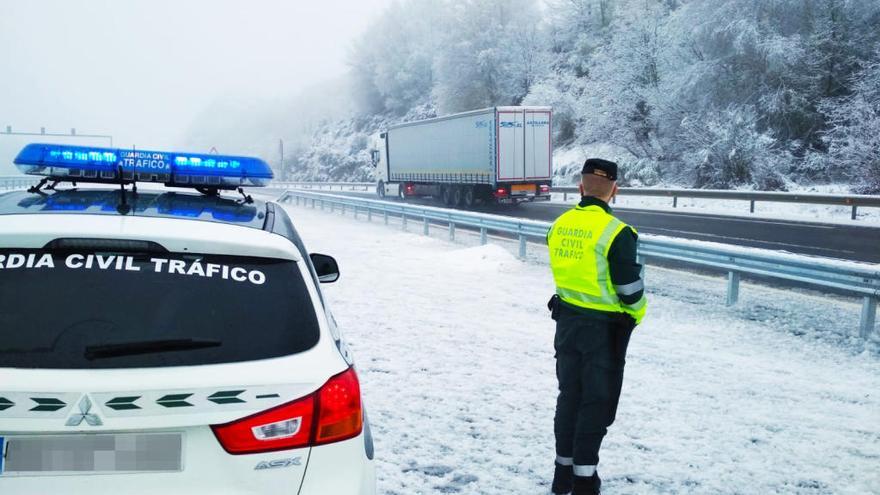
(522, 246)
(313, 203)
(675, 201)
(426, 228)
(343, 209)
(322, 205)
(483, 236)
(355, 212)
(732, 288)
(403, 220)
(752, 206)
(369, 214)
(332, 207)
(451, 231)
(386, 216)
(565, 196)
(855, 211)
(869, 315)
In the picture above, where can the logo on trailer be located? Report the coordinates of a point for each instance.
(84, 414)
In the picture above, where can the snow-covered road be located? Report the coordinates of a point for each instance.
(454, 348)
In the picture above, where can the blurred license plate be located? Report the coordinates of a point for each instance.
(523, 189)
(93, 453)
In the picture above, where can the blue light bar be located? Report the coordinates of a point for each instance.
(90, 164)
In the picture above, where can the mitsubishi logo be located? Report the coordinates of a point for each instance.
(85, 405)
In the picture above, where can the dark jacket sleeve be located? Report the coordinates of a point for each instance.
(626, 273)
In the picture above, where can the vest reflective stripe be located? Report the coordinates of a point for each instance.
(629, 289)
(579, 242)
(609, 295)
(636, 306)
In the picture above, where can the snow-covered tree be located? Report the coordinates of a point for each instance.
(491, 54)
(854, 137)
(720, 93)
(392, 63)
(726, 149)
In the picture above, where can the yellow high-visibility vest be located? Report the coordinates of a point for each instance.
(579, 241)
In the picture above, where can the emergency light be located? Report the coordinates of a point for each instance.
(90, 164)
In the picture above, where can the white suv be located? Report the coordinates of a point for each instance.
(168, 342)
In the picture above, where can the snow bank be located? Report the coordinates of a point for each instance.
(454, 349)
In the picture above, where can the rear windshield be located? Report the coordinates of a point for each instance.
(83, 310)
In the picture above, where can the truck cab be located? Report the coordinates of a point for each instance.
(379, 159)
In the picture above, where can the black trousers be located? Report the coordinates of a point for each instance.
(590, 356)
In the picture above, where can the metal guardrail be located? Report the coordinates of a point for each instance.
(852, 200)
(341, 186)
(10, 182)
(858, 279)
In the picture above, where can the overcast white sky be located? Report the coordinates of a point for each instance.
(142, 69)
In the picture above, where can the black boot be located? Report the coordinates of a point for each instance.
(562, 476)
(587, 486)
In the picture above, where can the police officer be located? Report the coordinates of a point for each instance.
(599, 300)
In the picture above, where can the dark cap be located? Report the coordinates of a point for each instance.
(600, 167)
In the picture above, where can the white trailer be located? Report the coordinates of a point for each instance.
(499, 154)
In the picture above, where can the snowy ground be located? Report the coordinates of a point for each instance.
(454, 348)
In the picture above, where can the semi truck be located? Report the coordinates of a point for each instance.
(493, 155)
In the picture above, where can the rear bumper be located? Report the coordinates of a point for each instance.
(522, 199)
(341, 469)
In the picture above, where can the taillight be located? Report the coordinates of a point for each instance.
(501, 192)
(410, 188)
(339, 409)
(331, 414)
(545, 189)
(288, 426)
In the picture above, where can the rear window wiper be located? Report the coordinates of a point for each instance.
(147, 347)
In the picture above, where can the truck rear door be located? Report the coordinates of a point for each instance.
(524, 145)
(511, 145)
(537, 144)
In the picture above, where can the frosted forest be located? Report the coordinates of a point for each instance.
(745, 94)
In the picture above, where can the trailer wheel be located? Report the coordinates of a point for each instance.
(446, 195)
(380, 190)
(457, 196)
(469, 196)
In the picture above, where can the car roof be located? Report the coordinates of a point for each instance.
(145, 203)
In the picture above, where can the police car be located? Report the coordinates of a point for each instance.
(166, 340)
